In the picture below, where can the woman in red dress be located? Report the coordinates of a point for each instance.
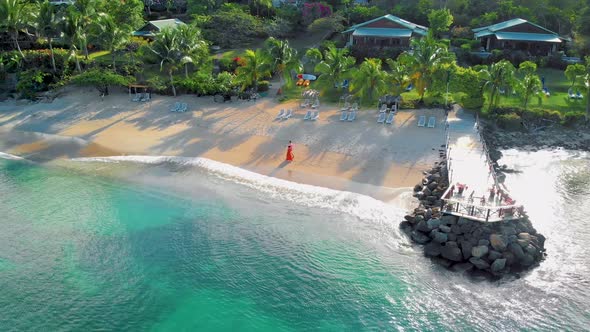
(290, 154)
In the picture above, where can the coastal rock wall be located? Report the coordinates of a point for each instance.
(468, 246)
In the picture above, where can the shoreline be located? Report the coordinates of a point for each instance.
(363, 156)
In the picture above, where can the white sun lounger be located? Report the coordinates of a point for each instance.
(421, 121)
(281, 114)
(390, 118)
(288, 114)
(383, 108)
(579, 95)
(344, 116)
(381, 118)
(307, 115)
(315, 116)
(346, 106)
(431, 122)
(351, 116)
(137, 97)
(572, 95)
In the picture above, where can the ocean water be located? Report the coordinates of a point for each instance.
(158, 244)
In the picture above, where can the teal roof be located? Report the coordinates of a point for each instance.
(539, 37)
(415, 28)
(382, 32)
(496, 29)
(159, 25)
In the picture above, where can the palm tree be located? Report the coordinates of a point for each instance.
(530, 86)
(282, 56)
(47, 26)
(426, 56)
(110, 35)
(369, 80)
(312, 57)
(398, 76)
(13, 19)
(72, 29)
(255, 66)
(267, 4)
(191, 45)
(499, 75)
(166, 47)
(334, 68)
(87, 11)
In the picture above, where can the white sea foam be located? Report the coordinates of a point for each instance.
(10, 156)
(361, 206)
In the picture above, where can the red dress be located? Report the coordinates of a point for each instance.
(290, 154)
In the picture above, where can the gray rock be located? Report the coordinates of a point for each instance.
(524, 236)
(420, 237)
(516, 249)
(462, 267)
(531, 250)
(512, 238)
(428, 214)
(479, 251)
(456, 229)
(463, 221)
(466, 247)
(442, 261)
(432, 185)
(479, 263)
(498, 264)
(497, 242)
(523, 243)
(439, 236)
(418, 218)
(426, 191)
(508, 230)
(444, 228)
(405, 226)
(432, 249)
(417, 188)
(422, 227)
(449, 220)
(510, 259)
(452, 237)
(433, 223)
(493, 255)
(483, 243)
(451, 252)
(431, 198)
(409, 218)
(527, 260)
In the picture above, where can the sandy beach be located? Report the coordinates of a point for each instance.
(361, 156)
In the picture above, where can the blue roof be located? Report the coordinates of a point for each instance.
(421, 30)
(382, 32)
(496, 30)
(542, 37)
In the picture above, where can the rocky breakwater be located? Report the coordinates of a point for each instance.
(469, 246)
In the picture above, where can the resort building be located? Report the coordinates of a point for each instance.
(383, 32)
(153, 27)
(519, 34)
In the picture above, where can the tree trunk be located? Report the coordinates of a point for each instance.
(77, 61)
(52, 55)
(15, 36)
(186, 70)
(492, 99)
(114, 61)
(587, 101)
(172, 82)
(85, 51)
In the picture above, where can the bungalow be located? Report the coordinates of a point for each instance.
(519, 34)
(383, 32)
(153, 27)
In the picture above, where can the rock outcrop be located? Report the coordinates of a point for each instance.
(463, 245)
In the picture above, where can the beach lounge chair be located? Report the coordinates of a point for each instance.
(176, 107)
(280, 115)
(344, 116)
(355, 107)
(571, 94)
(579, 95)
(421, 121)
(288, 114)
(431, 122)
(137, 97)
(305, 103)
(381, 118)
(345, 84)
(410, 87)
(390, 118)
(346, 106)
(315, 116)
(352, 116)
(307, 115)
(145, 97)
(183, 107)
(383, 108)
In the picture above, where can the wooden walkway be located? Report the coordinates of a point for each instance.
(469, 166)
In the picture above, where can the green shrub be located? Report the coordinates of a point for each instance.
(158, 84)
(572, 118)
(510, 121)
(101, 79)
(147, 55)
(263, 86)
(30, 82)
(204, 84)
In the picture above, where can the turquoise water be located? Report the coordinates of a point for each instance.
(167, 247)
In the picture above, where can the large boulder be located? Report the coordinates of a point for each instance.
(417, 188)
(423, 227)
(432, 249)
(498, 242)
(444, 228)
(409, 218)
(438, 236)
(466, 247)
(432, 185)
(479, 263)
(483, 242)
(527, 260)
(448, 220)
(479, 251)
(452, 237)
(451, 252)
(516, 249)
(420, 237)
(433, 223)
(462, 267)
(493, 255)
(456, 229)
(498, 265)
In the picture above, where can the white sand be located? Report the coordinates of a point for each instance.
(361, 156)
